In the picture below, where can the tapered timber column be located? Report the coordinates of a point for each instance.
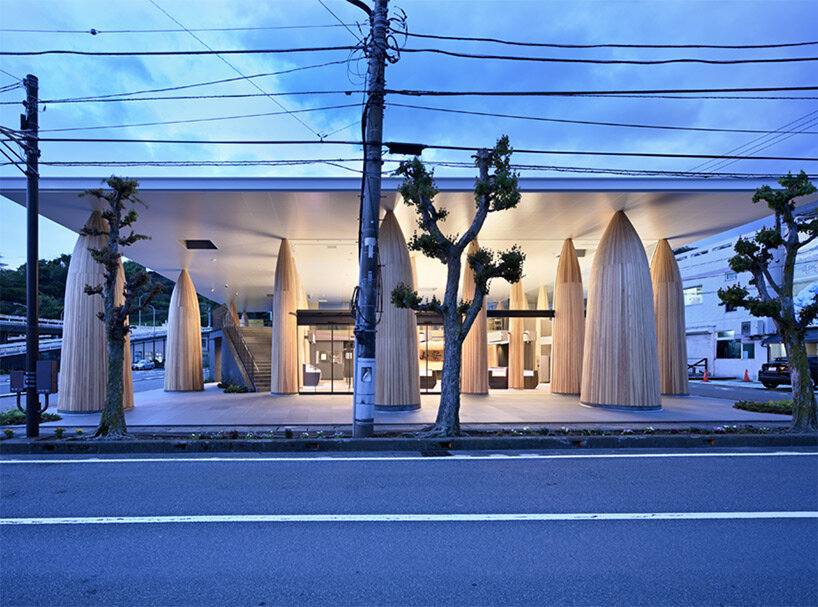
(284, 361)
(516, 345)
(84, 358)
(183, 352)
(569, 324)
(543, 330)
(668, 305)
(620, 367)
(127, 374)
(474, 378)
(235, 314)
(397, 374)
(243, 321)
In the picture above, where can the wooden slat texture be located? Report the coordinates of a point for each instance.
(668, 305)
(620, 361)
(234, 313)
(474, 378)
(284, 360)
(84, 357)
(183, 351)
(543, 329)
(516, 345)
(127, 373)
(397, 374)
(568, 325)
(243, 321)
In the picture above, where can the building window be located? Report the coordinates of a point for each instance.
(730, 276)
(728, 307)
(728, 348)
(693, 295)
(748, 350)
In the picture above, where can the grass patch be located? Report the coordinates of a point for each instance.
(15, 417)
(782, 407)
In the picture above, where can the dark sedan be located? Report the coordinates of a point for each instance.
(776, 373)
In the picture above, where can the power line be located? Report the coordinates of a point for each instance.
(404, 50)
(462, 55)
(609, 45)
(257, 51)
(221, 81)
(338, 19)
(647, 93)
(591, 122)
(194, 120)
(424, 146)
(238, 71)
(96, 32)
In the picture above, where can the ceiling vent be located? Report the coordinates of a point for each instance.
(195, 245)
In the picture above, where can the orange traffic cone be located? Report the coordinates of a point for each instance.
(705, 376)
(746, 376)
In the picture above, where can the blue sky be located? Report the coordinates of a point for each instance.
(589, 22)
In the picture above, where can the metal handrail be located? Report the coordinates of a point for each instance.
(693, 366)
(246, 357)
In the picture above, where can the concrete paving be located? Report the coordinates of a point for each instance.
(213, 407)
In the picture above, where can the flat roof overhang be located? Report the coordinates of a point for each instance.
(246, 218)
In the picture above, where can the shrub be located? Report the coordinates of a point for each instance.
(234, 389)
(782, 407)
(15, 417)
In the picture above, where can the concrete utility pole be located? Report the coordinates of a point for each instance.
(365, 318)
(28, 124)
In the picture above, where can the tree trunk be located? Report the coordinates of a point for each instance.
(112, 422)
(804, 418)
(448, 413)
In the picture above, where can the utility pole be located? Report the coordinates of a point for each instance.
(365, 318)
(28, 124)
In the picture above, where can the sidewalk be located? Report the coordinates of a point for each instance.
(514, 407)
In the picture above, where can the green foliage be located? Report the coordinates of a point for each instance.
(783, 407)
(14, 417)
(234, 389)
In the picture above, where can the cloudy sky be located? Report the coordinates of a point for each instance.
(310, 23)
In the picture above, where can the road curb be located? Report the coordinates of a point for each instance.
(429, 446)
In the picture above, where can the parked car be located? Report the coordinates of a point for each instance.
(142, 365)
(775, 373)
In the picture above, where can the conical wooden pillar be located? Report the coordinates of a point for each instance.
(569, 324)
(84, 358)
(234, 314)
(397, 374)
(284, 362)
(543, 330)
(620, 361)
(183, 351)
(516, 345)
(244, 321)
(668, 305)
(474, 375)
(127, 373)
(493, 353)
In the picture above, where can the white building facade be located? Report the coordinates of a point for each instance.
(730, 342)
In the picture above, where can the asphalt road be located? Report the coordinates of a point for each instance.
(669, 529)
(750, 392)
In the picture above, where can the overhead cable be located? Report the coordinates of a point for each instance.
(95, 32)
(251, 51)
(423, 146)
(195, 120)
(463, 55)
(237, 70)
(648, 93)
(591, 122)
(609, 45)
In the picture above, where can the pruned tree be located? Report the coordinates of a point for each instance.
(119, 212)
(495, 190)
(769, 247)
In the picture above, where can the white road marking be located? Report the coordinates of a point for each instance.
(380, 458)
(406, 518)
